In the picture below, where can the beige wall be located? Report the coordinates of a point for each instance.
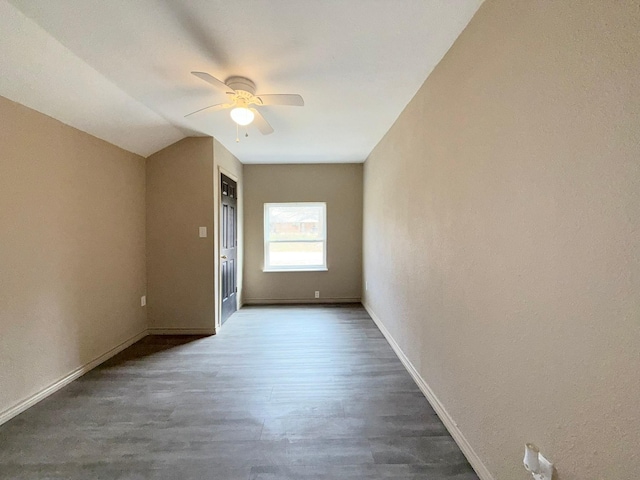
(72, 250)
(502, 235)
(225, 162)
(182, 195)
(180, 263)
(340, 186)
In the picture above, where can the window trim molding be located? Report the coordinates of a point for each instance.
(266, 267)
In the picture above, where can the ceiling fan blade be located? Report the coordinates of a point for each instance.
(291, 99)
(214, 81)
(261, 123)
(217, 106)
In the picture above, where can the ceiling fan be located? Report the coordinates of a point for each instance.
(243, 101)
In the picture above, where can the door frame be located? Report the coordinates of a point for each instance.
(216, 248)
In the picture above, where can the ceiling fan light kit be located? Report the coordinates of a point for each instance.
(243, 101)
(242, 116)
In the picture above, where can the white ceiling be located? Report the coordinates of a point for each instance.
(119, 69)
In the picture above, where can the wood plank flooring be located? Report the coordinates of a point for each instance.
(294, 392)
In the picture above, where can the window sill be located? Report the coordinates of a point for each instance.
(302, 269)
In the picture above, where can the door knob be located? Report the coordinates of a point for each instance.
(224, 257)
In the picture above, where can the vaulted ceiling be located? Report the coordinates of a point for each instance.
(120, 69)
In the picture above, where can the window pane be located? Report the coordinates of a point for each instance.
(296, 254)
(295, 223)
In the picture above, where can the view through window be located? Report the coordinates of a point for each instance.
(295, 236)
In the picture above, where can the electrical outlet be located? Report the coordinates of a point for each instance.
(143, 300)
(317, 293)
(202, 232)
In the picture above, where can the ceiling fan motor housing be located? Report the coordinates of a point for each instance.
(241, 84)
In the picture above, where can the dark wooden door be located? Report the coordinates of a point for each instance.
(228, 247)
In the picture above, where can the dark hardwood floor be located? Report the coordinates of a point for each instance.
(295, 392)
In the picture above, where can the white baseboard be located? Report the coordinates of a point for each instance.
(21, 406)
(480, 468)
(298, 301)
(182, 331)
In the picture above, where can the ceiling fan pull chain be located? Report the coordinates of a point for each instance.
(237, 135)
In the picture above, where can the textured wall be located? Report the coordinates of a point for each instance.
(182, 195)
(502, 235)
(179, 263)
(340, 186)
(72, 250)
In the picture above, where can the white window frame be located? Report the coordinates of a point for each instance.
(295, 268)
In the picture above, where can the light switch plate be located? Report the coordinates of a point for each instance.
(143, 300)
(203, 232)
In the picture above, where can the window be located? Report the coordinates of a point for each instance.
(295, 236)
